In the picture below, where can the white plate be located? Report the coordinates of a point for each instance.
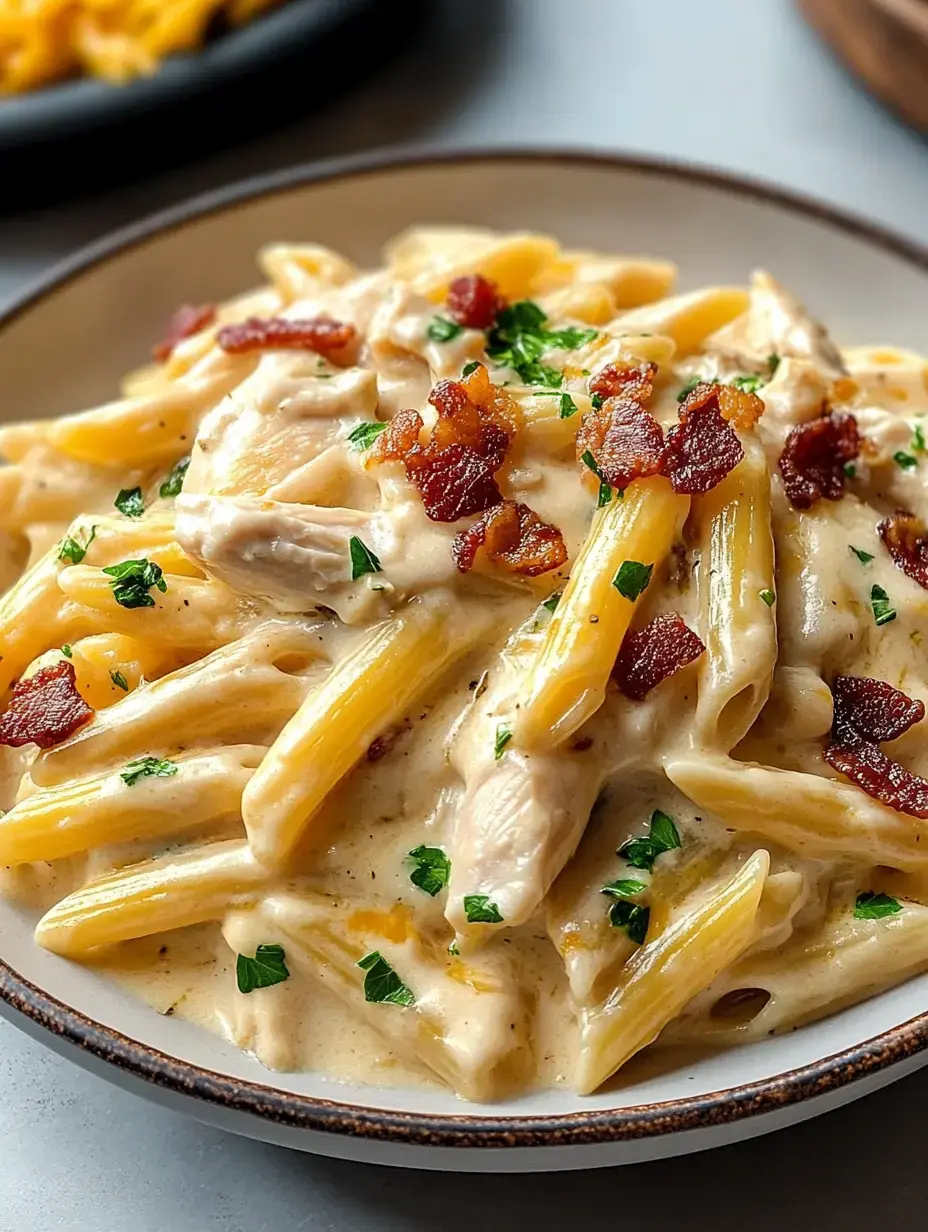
(65, 344)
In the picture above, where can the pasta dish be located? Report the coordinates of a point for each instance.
(45, 40)
(478, 669)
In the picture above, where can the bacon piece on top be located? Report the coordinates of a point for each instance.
(703, 448)
(44, 709)
(626, 442)
(335, 340)
(654, 653)
(866, 713)
(474, 301)
(906, 540)
(185, 321)
(814, 457)
(616, 381)
(515, 537)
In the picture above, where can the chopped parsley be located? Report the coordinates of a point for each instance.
(567, 407)
(749, 383)
(66, 650)
(431, 870)
(883, 610)
(479, 910)
(907, 461)
(688, 388)
(443, 330)
(268, 967)
(503, 736)
(363, 559)
(73, 550)
(864, 557)
(596, 401)
(119, 681)
(550, 604)
(381, 983)
(519, 338)
(632, 579)
(147, 768)
(773, 362)
(918, 439)
(605, 490)
(133, 579)
(625, 887)
(662, 836)
(364, 435)
(870, 906)
(129, 501)
(850, 470)
(631, 916)
(768, 597)
(175, 480)
(471, 367)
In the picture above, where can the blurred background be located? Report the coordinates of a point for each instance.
(746, 85)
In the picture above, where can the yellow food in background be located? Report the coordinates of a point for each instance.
(45, 40)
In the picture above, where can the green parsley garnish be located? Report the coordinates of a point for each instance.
(662, 836)
(567, 407)
(625, 887)
(907, 461)
(596, 401)
(768, 597)
(605, 489)
(268, 967)
(75, 551)
(471, 367)
(519, 338)
(870, 906)
(503, 736)
(773, 362)
(883, 610)
(381, 983)
(550, 604)
(748, 384)
(632, 579)
(432, 869)
(129, 501)
(850, 470)
(688, 388)
(119, 681)
(364, 435)
(630, 916)
(363, 559)
(175, 479)
(66, 650)
(146, 768)
(133, 579)
(918, 439)
(479, 910)
(864, 557)
(443, 330)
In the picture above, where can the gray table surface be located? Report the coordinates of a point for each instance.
(740, 83)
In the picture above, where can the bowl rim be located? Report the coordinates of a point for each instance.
(483, 1129)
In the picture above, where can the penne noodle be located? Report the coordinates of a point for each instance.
(689, 318)
(664, 974)
(567, 682)
(737, 601)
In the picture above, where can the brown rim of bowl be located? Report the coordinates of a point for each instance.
(483, 1130)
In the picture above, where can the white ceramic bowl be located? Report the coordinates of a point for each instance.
(65, 343)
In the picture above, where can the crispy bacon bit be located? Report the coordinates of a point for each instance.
(335, 340)
(740, 408)
(703, 448)
(514, 536)
(654, 653)
(45, 709)
(814, 456)
(868, 712)
(474, 301)
(185, 321)
(616, 381)
(625, 440)
(454, 471)
(906, 540)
